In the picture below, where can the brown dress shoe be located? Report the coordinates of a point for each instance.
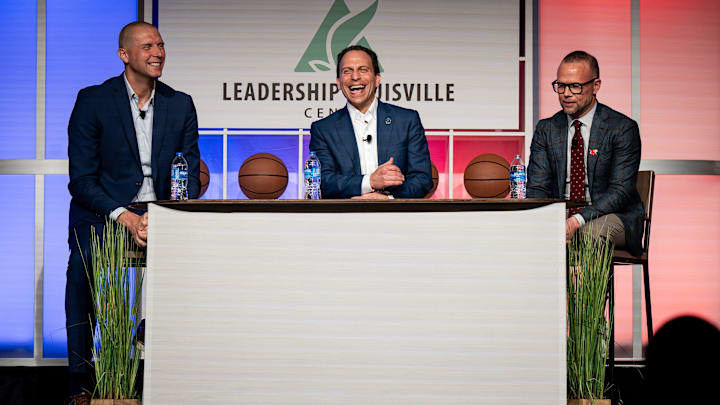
(79, 399)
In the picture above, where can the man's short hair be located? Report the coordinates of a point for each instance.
(582, 56)
(127, 30)
(370, 52)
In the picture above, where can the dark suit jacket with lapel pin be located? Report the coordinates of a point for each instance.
(105, 170)
(612, 165)
(400, 135)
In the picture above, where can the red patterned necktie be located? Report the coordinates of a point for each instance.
(577, 168)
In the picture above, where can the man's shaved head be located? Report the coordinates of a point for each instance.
(126, 32)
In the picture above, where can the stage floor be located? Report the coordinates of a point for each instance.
(48, 385)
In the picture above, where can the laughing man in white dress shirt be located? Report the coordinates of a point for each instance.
(370, 149)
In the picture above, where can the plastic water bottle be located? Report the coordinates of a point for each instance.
(179, 178)
(518, 178)
(312, 177)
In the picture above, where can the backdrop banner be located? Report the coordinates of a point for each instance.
(271, 64)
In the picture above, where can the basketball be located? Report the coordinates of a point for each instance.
(435, 179)
(263, 176)
(204, 178)
(487, 176)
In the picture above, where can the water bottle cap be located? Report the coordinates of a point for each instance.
(517, 156)
(178, 153)
(312, 153)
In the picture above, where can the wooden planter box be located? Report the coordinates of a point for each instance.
(115, 402)
(588, 402)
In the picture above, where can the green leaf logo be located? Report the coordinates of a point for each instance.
(339, 29)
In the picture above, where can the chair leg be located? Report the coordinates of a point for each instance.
(611, 318)
(648, 306)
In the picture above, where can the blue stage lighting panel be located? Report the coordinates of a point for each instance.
(211, 152)
(18, 75)
(82, 43)
(17, 248)
(55, 260)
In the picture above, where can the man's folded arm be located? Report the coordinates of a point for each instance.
(190, 148)
(623, 175)
(539, 180)
(418, 179)
(333, 184)
(84, 157)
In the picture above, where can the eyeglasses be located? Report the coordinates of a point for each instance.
(575, 88)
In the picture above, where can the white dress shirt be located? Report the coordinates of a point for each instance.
(365, 125)
(586, 121)
(143, 133)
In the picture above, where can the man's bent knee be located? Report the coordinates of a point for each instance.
(607, 226)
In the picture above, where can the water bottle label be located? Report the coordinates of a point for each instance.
(518, 176)
(177, 173)
(518, 179)
(308, 173)
(316, 172)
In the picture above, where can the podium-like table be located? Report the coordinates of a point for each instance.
(356, 302)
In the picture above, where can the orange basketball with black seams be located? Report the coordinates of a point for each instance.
(263, 176)
(435, 180)
(204, 178)
(487, 176)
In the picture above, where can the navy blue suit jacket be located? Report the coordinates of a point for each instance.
(400, 135)
(612, 171)
(105, 171)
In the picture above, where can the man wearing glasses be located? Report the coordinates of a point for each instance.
(589, 152)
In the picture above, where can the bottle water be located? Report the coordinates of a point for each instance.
(518, 178)
(312, 177)
(179, 178)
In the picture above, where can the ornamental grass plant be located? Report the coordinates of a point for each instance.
(116, 354)
(589, 261)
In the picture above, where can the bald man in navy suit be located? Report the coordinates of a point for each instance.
(123, 135)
